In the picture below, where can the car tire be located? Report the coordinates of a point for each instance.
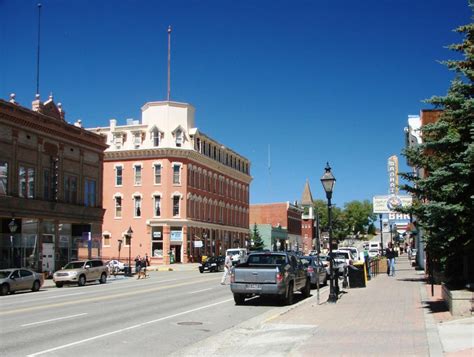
(201, 271)
(239, 299)
(81, 281)
(306, 291)
(4, 289)
(288, 298)
(59, 285)
(103, 278)
(36, 286)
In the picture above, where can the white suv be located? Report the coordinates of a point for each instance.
(81, 271)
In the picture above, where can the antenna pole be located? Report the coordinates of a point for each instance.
(169, 63)
(38, 51)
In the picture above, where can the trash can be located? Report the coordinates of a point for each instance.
(127, 271)
(357, 275)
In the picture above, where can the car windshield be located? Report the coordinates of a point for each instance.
(4, 274)
(272, 259)
(212, 259)
(234, 252)
(73, 265)
(340, 255)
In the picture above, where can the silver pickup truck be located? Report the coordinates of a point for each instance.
(270, 273)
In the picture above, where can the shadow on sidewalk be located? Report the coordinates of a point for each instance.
(436, 306)
(414, 280)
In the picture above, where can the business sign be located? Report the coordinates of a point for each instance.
(388, 204)
(392, 168)
(176, 235)
(198, 244)
(157, 234)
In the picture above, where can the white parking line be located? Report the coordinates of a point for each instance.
(127, 328)
(59, 318)
(199, 291)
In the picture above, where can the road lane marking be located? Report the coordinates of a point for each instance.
(101, 298)
(128, 328)
(51, 320)
(199, 291)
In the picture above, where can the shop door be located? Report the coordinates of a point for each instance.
(48, 257)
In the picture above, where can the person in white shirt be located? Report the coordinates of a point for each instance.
(227, 267)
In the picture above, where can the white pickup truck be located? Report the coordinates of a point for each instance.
(239, 255)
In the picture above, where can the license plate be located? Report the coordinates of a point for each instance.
(206, 268)
(254, 287)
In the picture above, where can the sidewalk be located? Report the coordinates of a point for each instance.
(389, 317)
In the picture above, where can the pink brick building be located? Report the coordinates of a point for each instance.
(182, 193)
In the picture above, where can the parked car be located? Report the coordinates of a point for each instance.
(315, 269)
(354, 252)
(325, 261)
(12, 280)
(277, 274)
(81, 271)
(373, 253)
(342, 260)
(212, 264)
(115, 266)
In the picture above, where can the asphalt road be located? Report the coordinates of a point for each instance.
(153, 317)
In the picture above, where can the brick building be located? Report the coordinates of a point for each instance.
(183, 194)
(50, 187)
(284, 215)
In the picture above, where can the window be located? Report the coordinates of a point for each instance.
(106, 240)
(47, 185)
(3, 177)
(157, 169)
(176, 206)
(118, 140)
(70, 189)
(118, 207)
(90, 193)
(157, 205)
(155, 137)
(138, 174)
(118, 175)
(176, 174)
(27, 182)
(137, 211)
(137, 139)
(179, 138)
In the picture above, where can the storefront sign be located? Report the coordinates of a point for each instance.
(176, 235)
(198, 244)
(392, 168)
(388, 204)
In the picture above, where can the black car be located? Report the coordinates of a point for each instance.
(212, 264)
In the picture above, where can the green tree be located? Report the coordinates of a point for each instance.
(256, 239)
(443, 197)
(358, 215)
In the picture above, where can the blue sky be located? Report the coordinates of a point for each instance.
(316, 81)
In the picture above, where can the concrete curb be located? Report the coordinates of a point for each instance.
(434, 341)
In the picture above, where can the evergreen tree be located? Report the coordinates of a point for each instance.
(257, 241)
(443, 196)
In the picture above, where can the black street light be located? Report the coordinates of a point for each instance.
(381, 235)
(129, 235)
(13, 227)
(328, 181)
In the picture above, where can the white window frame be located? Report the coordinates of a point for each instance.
(135, 183)
(155, 164)
(180, 165)
(116, 167)
(118, 195)
(140, 199)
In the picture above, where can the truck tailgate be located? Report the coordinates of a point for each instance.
(256, 275)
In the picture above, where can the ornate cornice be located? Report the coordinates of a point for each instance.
(175, 153)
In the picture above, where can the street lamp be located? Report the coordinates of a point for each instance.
(328, 181)
(120, 241)
(13, 227)
(381, 235)
(129, 235)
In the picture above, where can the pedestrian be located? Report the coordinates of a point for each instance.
(227, 267)
(138, 265)
(390, 254)
(145, 263)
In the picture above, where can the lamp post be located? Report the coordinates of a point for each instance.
(381, 235)
(328, 181)
(129, 235)
(13, 227)
(120, 241)
(391, 237)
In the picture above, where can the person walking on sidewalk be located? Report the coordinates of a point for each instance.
(227, 267)
(390, 254)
